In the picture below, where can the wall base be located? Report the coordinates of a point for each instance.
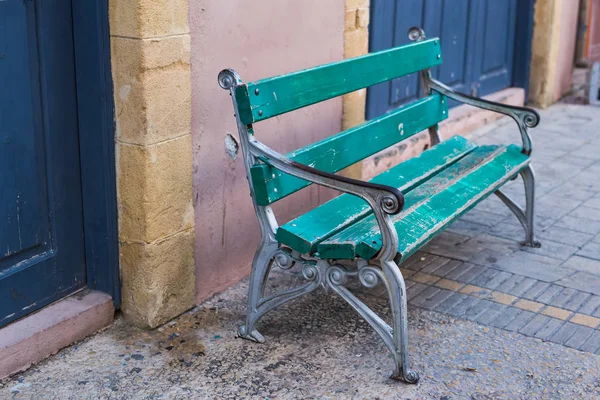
(40, 335)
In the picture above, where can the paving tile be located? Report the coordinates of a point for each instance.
(592, 344)
(538, 322)
(564, 333)
(446, 268)
(579, 224)
(536, 290)
(576, 192)
(496, 281)
(461, 308)
(449, 285)
(415, 290)
(579, 337)
(494, 205)
(593, 203)
(502, 298)
(586, 320)
(424, 278)
(495, 243)
(510, 284)
(583, 281)
(425, 294)
(484, 277)
(505, 317)
(467, 228)
(460, 270)
(477, 309)
(470, 274)
(435, 264)
(528, 305)
(549, 329)
(475, 291)
(557, 313)
(482, 217)
(586, 213)
(578, 263)
(490, 314)
(548, 294)
(563, 297)
(433, 301)
(421, 262)
(566, 236)
(519, 321)
(552, 249)
(590, 305)
(591, 250)
(459, 252)
(555, 206)
(531, 265)
(450, 302)
(577, 301)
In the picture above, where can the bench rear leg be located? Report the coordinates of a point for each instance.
(526, 218)
(529, 181)
(398, 307)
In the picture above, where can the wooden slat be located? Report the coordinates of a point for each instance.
(305, 232)
(346, 148)
(277, 95)
(434, 205)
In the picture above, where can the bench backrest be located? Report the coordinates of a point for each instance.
(274, 96)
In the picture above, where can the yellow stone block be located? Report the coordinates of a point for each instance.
(448, 284)
(356, 42)
(352, 4)
(350, 20)
(424, 278)
(502, 298)
(158, 279)
(152, 81)
(154, 189)
(556, 312)
(475, 291)
(148, 18)
(529, 305)
(362, 18)
(586, 320)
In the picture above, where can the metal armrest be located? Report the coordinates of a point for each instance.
(523, 116)
(384, 200)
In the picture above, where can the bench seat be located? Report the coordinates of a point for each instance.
(439, 186)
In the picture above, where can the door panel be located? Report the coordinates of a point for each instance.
(477, 38)
(41, 228)
(495, 46)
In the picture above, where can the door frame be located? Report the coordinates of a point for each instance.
(96, 122)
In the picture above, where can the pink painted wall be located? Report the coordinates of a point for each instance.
(257, 38)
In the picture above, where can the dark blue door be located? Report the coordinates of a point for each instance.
(41, 228)
(477, 39)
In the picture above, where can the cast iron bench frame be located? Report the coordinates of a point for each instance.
(385, 201)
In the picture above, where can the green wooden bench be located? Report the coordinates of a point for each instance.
(366, 233)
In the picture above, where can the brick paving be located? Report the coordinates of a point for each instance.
(481, 272)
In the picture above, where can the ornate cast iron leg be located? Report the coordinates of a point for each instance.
(529, 182)
(261, 266)
(268, 254)
(397, 294)
(394, 337)
(525, 217)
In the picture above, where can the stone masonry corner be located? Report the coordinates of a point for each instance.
(150, 52)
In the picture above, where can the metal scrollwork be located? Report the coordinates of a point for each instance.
(369, 276)
(310, 272)
(283, 259)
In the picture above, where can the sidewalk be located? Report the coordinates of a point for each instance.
(487, 319)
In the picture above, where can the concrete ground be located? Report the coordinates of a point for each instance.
(487, 318)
